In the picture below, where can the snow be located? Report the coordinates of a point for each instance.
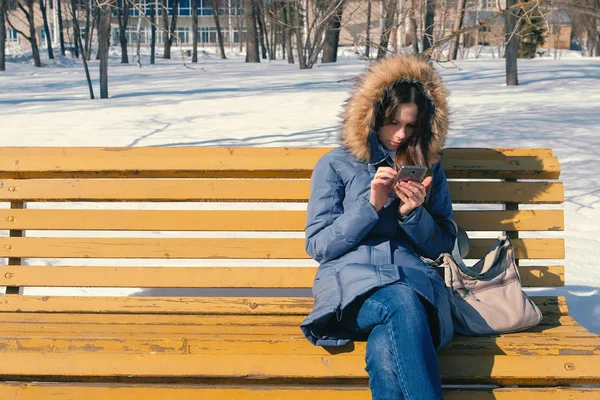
(230, 103)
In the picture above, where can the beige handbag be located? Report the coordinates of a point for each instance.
(487, 298)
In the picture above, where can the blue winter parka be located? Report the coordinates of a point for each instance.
(359, 249)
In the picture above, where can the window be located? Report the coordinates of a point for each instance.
(183, 33)
(208, 34)
(43, 37)
(12, 36)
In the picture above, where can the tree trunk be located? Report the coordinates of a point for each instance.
(80, 44)
(390, 13)
(261, 29)
(166, 42)
(460, 12)
(139, 43)
(215, 8)
(46, 29)
(86, 49)
(194, 31)
(123, 21)
(512, 45)
(153, 12)
(332, 36)
(32, 34)
(263, 26)
(298, 32)
(61, 36)
(104, 44)
(287, 30)
(252, 37)
(238, 23)
(2, 35)
(413, 27)
(173, 27)
(429, 21)
(368, 29)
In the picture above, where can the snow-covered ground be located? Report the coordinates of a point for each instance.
(230, 103)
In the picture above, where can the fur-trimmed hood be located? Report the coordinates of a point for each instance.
(359, 113)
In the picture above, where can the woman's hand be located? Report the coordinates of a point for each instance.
(381, 186)
(411, 194)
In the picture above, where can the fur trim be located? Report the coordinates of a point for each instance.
(359, 113)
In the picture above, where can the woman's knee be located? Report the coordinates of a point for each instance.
(400, 299)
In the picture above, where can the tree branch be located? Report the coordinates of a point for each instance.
(15, 29)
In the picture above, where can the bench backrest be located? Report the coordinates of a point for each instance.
(196, 218)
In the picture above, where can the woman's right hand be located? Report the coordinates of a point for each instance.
(381, 186)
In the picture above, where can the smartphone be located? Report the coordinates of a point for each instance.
(408, 173)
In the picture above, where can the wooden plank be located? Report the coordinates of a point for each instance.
(205, 277)
(177, 248)
(534, 344)
(551, 306)
(16, 206)
(253, 190)
(505, 370)
(254, 220)
(22, 162)
(88, 391)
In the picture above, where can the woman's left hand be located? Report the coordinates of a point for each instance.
(411, 194)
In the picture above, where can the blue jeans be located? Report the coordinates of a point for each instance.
(401, 356)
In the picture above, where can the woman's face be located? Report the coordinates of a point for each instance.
(401, 128)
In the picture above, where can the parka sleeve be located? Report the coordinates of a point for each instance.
(330, 230)
(430, 228)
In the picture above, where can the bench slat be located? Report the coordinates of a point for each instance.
(177, 248)
(532, 344)
(195, 305)
(90, 391)
(261, 190)
(205, 277)
(501, 369)
(255, 220)
(256, 162)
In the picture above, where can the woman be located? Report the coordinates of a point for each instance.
(368, 237)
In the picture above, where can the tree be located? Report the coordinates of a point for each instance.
(332, 36)
(104, 11)
(215, 10)
(153, 12)
(2, 35)
(413, 26)
(123, 22)
(458, 21)
(261, 28)
(252, 37)
(80, 44)
(194, 31)
(532, 33)
(368, 29)
(46, 29)
(287, 30)
(169, 30)
(390, 14)
(512, 43)
(61, 35)
(29, 13)
(429, 22)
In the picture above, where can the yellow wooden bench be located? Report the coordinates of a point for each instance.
(106, 209)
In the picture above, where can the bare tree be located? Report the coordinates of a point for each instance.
(61, 35)
(368, 30)
(104, 12)
(261, 28)
(88, 28)
(264, 32)
(429, 23)
(2, 35)
(390, 14)
(458, 21)
(194, 31)
(169, 30)
(80, 44)
(29, 13)
(287, 30)
(252, 37)
(153, 13)
(512, 43)
(413, 26)
(46, 29)
(215, 10)
(123, 9)
(332, 36)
